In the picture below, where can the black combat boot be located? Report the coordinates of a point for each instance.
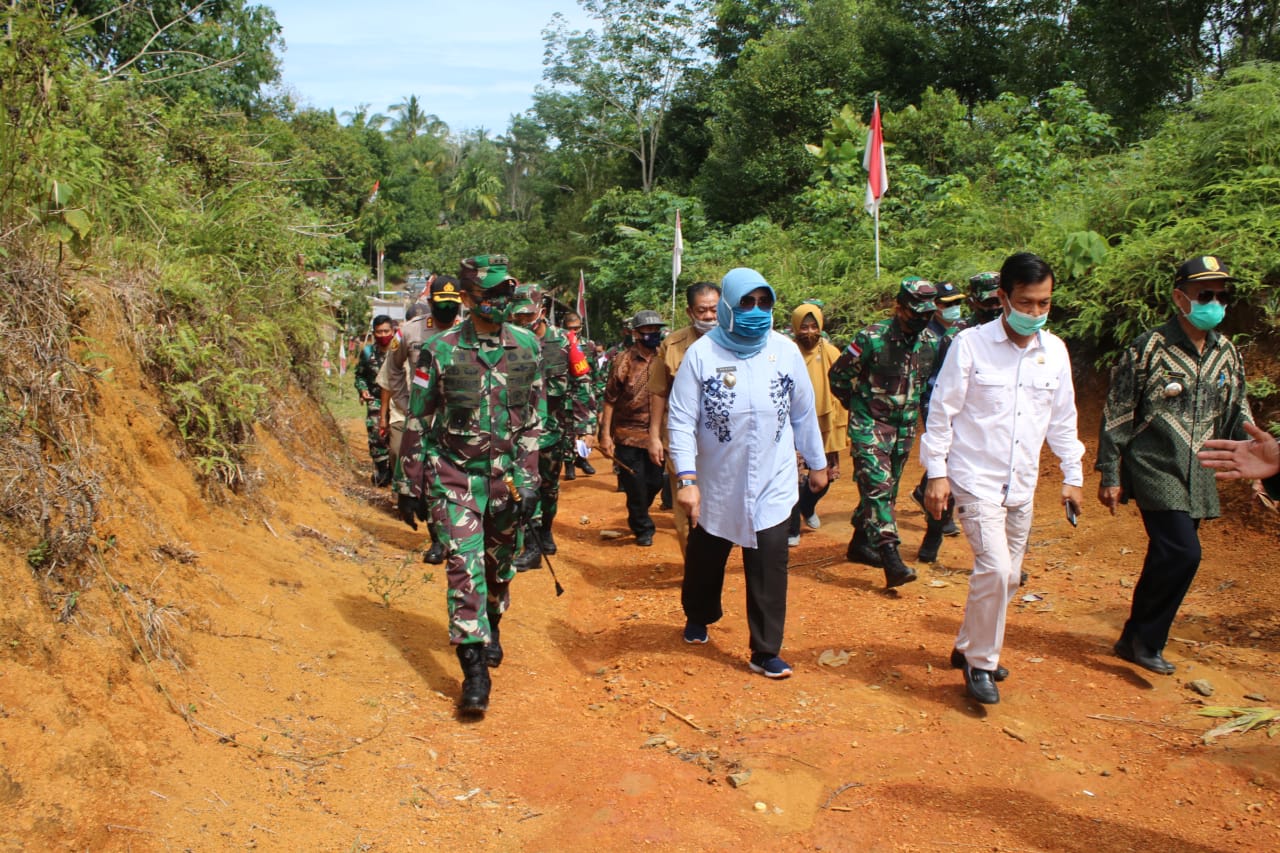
(860, 550)
(586, 466)
(546, 538)
(382, 473)
(493, 651)
(570, 470)
(896, 572)
(475, 680)
(435, 554)
(530, 558)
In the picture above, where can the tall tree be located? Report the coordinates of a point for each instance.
(224, 49)
(623, 76)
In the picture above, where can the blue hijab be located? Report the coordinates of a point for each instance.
(736, 284)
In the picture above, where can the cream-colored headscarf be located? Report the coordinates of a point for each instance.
(833, 418)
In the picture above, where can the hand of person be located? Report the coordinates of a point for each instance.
(589, 440)
(606, 445)
(937, 496)
(817, 480)
(833, 467)
(528, 503)
(690, 500)
(1109, 496)
(656, 454)
(366, 397)
(1256, 458)
(408, 507)
(1075, 496)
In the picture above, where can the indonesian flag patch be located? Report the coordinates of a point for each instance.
(855, 350)
(420, 377)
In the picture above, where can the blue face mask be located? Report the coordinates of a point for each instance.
(752, 322)
(1206, 317)
(951, 313)
(1026, 324)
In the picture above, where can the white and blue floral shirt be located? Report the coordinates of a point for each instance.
(738, 422)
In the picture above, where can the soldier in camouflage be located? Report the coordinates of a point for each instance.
(984, 301)
(880, 378)
(945, 324)
(473, 424)
(587, 348)
(366, 381)
(565, 410)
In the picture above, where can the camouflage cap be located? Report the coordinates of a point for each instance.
(984, 285)
(485, 271)
(527, 300)
(948, 293)
(917, 294)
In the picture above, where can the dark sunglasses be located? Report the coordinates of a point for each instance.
(749, 301)
(1204, 297)
(990, 303)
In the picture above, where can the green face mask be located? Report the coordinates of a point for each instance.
(951, 313)
(1206, 317)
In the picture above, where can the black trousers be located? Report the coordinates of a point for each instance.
(806, 506)
(641, 487)
(1173, 556)
(765, 569)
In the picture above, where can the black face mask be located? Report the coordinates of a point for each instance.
(914, 324)
(444, 313)
(651, 339)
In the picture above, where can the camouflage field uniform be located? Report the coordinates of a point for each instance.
(880, 378)
(566, 413)
(475, 401)
(366, 379)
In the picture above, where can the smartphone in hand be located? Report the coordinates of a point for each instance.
(1073, 512)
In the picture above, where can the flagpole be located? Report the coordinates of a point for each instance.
(877, 241)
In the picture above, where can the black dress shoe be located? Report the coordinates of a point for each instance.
(958, 661)
(1145, 658)
(585, 467)
(981, 685)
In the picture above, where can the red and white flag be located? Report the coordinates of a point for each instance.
(677, 252)
(873, 162)
(373, 196)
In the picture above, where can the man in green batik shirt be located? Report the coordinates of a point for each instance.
(1175, 387)
(473, 424)
(565, 411)
(880, 378)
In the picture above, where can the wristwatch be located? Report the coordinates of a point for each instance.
(680, 484)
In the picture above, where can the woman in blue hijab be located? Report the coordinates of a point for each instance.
(741, 407)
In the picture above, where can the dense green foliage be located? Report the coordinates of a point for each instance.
(1115, 139)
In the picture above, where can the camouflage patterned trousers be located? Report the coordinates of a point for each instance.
(481, 544)
(550, 466)
(878, 456)
(378, 449)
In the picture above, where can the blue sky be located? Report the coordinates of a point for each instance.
(473, 63)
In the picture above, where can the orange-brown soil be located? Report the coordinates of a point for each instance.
(231, 679)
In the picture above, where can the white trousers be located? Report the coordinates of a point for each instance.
(998, 536)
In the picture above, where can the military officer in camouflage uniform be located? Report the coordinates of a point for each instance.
(473, 423)
(565, 411)
(366, 381)
(984, 301)
(879, 378)
(946, 323)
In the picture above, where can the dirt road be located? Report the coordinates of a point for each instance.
(305, 715)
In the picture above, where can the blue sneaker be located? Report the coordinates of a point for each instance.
(695, 633)
(770, 666)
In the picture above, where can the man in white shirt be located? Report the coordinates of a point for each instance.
(1004, 389)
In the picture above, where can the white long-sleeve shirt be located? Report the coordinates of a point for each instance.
(994, 406)
(737, 423)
